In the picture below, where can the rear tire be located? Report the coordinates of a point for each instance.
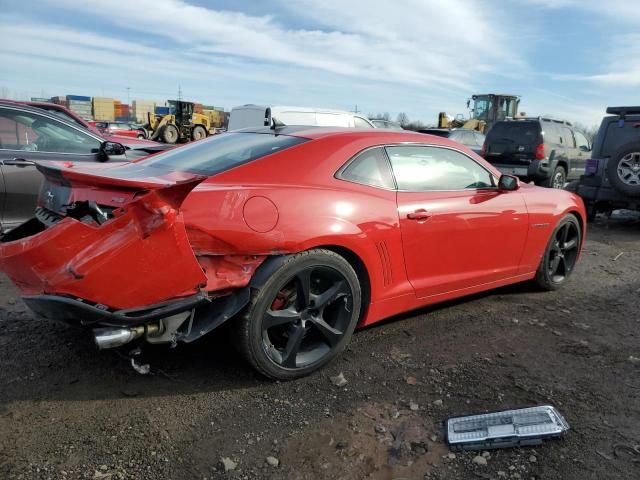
(557, 178)
(198, 133)
(302, 317)
(169, 134)
(561, 254)
(623, 169)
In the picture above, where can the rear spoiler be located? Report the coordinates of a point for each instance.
(132, 175)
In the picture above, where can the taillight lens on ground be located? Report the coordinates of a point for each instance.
(509, 428)
(539, 153)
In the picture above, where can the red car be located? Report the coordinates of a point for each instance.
(296, 235)
(123, 129)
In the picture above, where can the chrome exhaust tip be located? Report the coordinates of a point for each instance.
(115, 337)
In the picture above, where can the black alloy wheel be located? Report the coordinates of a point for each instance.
(302, 317)
(561, 254)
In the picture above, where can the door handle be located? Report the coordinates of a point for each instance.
(18, 162)
(419, 215)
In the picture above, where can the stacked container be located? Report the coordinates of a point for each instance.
(117, 109)
(161, 110)
(59, 100)
(141, 108)
(103, 109)
(40, 99)
(79, 105)
(215, 116)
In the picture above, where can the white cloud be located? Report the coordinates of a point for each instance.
(442, 44)
(621, 63)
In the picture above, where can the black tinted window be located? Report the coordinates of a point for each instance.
(222, 152)
(523, 133)
(419, 169)
(370, 168)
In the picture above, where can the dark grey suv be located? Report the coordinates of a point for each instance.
(546, 151)
(612, 175)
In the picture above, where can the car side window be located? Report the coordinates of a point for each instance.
(28, 131)
(370, 167)
(581, 141)
(419, 169)
(551, 133)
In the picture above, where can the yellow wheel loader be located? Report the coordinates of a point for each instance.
(487, 109)
(182, 125)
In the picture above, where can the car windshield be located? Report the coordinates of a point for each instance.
(222, 152)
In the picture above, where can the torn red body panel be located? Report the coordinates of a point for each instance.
(127, 262)
(229, 271)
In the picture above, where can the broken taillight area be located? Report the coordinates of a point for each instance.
(509, 428)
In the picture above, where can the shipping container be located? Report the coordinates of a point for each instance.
(59, 100)
(40, 99)
(141, 108)
(79, 98)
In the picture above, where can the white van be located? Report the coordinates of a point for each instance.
(247, 116)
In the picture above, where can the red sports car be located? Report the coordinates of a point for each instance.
(296, 235)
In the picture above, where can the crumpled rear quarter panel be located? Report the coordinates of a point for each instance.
(139, 258)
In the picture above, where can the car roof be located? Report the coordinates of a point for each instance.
(375, 135)
(40, 111)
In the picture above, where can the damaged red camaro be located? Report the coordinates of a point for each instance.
(296, 235)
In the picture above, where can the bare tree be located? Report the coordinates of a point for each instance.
(589, 132)
(402, 119)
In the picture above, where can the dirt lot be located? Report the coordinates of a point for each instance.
(68, 411)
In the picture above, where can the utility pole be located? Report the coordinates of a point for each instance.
(356, 109)
(179, 92)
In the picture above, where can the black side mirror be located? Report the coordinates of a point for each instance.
(111, 149)
(508, 183)
(584, 148)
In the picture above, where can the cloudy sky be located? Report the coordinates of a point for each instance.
(567, 58)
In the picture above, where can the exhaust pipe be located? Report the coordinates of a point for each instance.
(116, 337)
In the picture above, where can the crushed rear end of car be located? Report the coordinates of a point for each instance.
(108, 248)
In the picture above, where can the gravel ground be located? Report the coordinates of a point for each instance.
(68, 411)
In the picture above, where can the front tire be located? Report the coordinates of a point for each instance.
(561, 254)
(169, 134)
(198, 133)
(302, 317)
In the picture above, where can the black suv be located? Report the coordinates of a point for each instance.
(612, 176)
(544, 150)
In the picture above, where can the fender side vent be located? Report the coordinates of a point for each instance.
(385, 260)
